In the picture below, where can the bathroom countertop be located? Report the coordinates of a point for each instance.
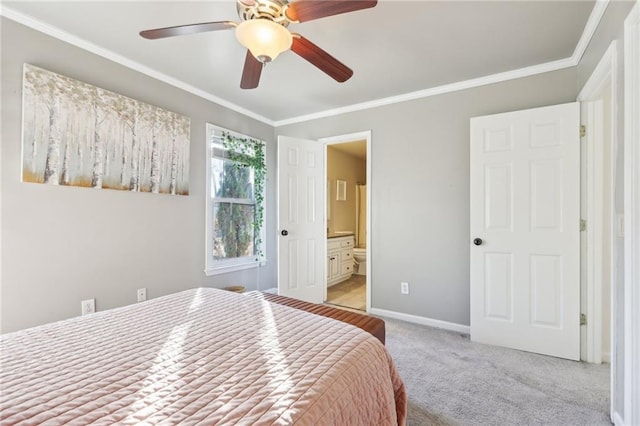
(338, 235)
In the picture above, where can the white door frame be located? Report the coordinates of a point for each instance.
(632, 217)
(593, 145)
(351, 137)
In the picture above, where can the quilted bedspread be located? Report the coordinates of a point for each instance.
(201, 356)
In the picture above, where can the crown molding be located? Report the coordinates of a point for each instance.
(438, 90)
(590, 28)
(587, 34)
(122, 60)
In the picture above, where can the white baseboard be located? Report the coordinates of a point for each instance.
(606, 357)
(617, 420)
(421, 320)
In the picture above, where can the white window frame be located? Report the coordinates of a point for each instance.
(216, 266)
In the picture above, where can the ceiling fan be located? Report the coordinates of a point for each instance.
(263, 31)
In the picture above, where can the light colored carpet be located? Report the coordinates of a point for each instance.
(453, 381)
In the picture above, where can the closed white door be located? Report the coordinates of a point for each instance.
(525, 230)
(301, 229)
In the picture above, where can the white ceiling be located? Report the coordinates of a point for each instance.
(396, 48)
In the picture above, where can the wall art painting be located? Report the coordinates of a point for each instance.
(77, 134)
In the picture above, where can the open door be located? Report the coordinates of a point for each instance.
(525, 230)
(301, 229)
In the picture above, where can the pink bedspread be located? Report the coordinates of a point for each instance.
(202, 356)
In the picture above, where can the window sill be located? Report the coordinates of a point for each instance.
(224, 269)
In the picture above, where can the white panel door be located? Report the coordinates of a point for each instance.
(301, 230)
(525, 230)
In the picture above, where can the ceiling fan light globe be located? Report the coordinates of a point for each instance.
(265, 39)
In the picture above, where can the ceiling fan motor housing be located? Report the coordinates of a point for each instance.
(273, 10)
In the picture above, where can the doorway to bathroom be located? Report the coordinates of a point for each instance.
(348, 189)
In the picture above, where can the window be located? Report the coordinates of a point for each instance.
(235, 201)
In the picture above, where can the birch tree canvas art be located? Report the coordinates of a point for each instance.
(77, 134)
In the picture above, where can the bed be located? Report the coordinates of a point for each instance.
(373, 325)
(201, 356)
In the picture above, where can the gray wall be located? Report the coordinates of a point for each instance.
(64, 244)
(61, 245)
(612, 28)
(420, 187)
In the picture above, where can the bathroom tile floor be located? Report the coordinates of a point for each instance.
(350, 293)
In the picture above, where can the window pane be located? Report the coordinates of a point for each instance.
(234, 234)
(230, 180)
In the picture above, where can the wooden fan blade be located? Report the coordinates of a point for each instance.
(251, 72)
(306, 10)
(321, 59)
(180, 30)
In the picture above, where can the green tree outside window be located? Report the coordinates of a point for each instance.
(238, 198)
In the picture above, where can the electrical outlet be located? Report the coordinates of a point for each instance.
(142, 294)
(404, 288)
(88, 306)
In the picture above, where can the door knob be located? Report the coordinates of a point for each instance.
(477, 241)
(284, 232)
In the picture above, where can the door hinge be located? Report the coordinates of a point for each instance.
(583, 319)
(583, 131)
(583, 225)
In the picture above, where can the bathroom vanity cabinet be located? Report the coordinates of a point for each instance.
(339, 259)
